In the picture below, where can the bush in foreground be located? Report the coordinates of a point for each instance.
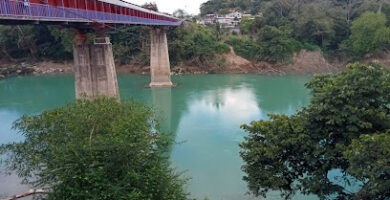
(345, 127)
(97, 149)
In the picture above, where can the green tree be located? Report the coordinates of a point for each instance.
(247, 26)
(213, 6)
(297, 152)
(34, 43)
(243, 46)
(5, 43)
(276, 44)
(97, 149)
(369, 160)
(65, 36)
(131, 44)
(314, 26)
(196, 44)
(369, 34)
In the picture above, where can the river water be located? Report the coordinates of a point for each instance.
(204, 111)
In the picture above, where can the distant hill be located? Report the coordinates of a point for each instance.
(225, 6)
(343, 29)
(255, 6)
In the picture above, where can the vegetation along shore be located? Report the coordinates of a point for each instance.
(282, 37)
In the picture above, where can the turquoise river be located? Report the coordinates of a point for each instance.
(204, 111)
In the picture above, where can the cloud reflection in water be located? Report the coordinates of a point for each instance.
(211, 157)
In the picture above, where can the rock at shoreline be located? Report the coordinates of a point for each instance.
(20, 69)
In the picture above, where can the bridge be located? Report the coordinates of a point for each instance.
(94, 65)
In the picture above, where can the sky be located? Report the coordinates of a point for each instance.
(169, 6)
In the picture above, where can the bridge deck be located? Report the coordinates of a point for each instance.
(24, 11)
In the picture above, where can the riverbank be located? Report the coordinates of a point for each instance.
(303, 62)
(26, 68)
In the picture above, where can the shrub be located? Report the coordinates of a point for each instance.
(97, 149)
(345, 127)
(243, 46)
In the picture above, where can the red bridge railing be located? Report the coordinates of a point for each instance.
(24, 10)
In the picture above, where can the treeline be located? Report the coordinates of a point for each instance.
(224, 6)
(34, 42)
(189, 43)
(344, 29)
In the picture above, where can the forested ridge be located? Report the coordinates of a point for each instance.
(346, 30)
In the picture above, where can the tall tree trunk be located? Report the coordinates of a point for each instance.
(349, 8)
(381, 2)
(30, 43)
(33, 49)
(299, 7)
(6, 54)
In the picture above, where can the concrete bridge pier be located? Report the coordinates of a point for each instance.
(160, 68)
(82, 66)
(94, 67)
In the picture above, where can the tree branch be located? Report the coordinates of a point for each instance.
(29, 193)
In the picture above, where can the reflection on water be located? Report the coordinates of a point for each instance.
(204, 112)
(162, 104)
(211, 126)
(9, 184)
(7, 117)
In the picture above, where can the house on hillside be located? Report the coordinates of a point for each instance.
(208, 19)
(231, 21)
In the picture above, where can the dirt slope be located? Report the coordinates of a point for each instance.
(309, 62)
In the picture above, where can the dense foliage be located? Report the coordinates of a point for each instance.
(244, 46)
(299, 24)
(223, 6)
(33, 42)
(196, 44)
(369, 35)
(272, 45)
(369, 158)
(55, 43)
(97, 149)
(280, 28)
(131, 44)
(193, 44)
(345, 127)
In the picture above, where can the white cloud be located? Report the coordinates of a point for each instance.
(169, 6)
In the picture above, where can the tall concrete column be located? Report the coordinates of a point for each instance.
(160, 67)
(94, 68)
(104, 80)
(82, 67)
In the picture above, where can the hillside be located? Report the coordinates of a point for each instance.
(223, 6)
(341, 30)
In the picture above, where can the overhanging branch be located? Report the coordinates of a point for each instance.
(26, 194)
